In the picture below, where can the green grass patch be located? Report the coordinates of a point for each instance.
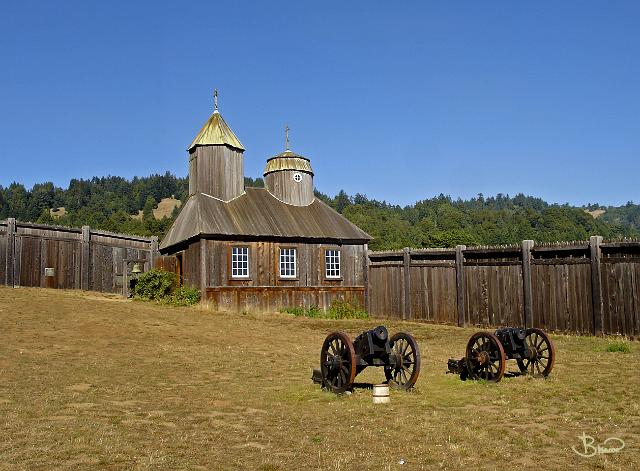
(621, 346)
(339, 309)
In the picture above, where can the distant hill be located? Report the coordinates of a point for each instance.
(596, 213)
(110, 202)
(165, 208)
(627, 216)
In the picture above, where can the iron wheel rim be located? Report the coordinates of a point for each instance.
(542, 364)
(405, 347)
(338, 362)
(485, 357)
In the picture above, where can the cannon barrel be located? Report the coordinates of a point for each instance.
(381, 333)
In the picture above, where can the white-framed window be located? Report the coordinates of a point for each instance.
(332, 263)
(240, 262)
(288, 261)
(297, 177)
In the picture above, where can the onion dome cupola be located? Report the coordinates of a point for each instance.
(216, 161)
(289, 177)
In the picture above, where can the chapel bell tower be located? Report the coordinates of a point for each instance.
(216, 161)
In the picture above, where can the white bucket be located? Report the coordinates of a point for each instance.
(381, 394)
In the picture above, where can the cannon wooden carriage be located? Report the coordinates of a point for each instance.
(487, 354)
(341, 360)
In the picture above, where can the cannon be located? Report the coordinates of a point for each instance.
(487, 354)
(341, 360)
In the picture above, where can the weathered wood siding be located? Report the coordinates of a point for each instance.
(264, 268)
(282, 185)
(3, 254)
(580, 287)
(191, 266)
(493, 288)
(80, 258)
(167, 263)
(561, 279)
(272, 298)
(216, 171)
(387, 297)
(264, 289)
(621, 288)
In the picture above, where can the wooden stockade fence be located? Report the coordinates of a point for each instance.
(590, 287)
(71, 258)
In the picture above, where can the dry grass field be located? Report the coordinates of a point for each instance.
(90, 382)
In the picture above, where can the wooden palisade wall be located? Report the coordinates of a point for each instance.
(590, 287)
(81, 258)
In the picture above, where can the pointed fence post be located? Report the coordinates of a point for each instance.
(460, 285)
(11, 252)
(154, 252)
(527, 288)
(596, 284)
(85, 258)
(406, 283)
(365, 275)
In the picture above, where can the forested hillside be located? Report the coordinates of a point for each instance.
(626, 216)
(110, 203)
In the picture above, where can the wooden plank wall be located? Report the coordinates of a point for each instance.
(432, 279)
(273, 298)
(590, 287)
(493, 287)
(167, 263)
(386, 289)
(3, 253)
(621, 288)
(263, 268)
(561, 281)
(97, 257)
(264, 289)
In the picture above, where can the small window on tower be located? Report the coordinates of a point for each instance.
(297, 177)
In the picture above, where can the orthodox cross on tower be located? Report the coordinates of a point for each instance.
(286, 138)
(215, 100)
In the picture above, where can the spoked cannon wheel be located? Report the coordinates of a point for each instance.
(338, 362)
(405, 358)
(485, 357)
(542, 353)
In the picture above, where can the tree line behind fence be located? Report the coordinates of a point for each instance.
(590, 287)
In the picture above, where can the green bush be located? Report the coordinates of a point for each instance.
(184, 296)
(619, 346)
(164, 287)
(156, 284)
(339, 309)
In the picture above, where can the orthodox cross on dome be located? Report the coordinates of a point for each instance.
(215, 100)
(286, 138)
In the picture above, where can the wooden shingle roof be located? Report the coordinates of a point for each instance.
(258, 214)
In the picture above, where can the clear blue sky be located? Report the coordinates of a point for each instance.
(397, 100)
